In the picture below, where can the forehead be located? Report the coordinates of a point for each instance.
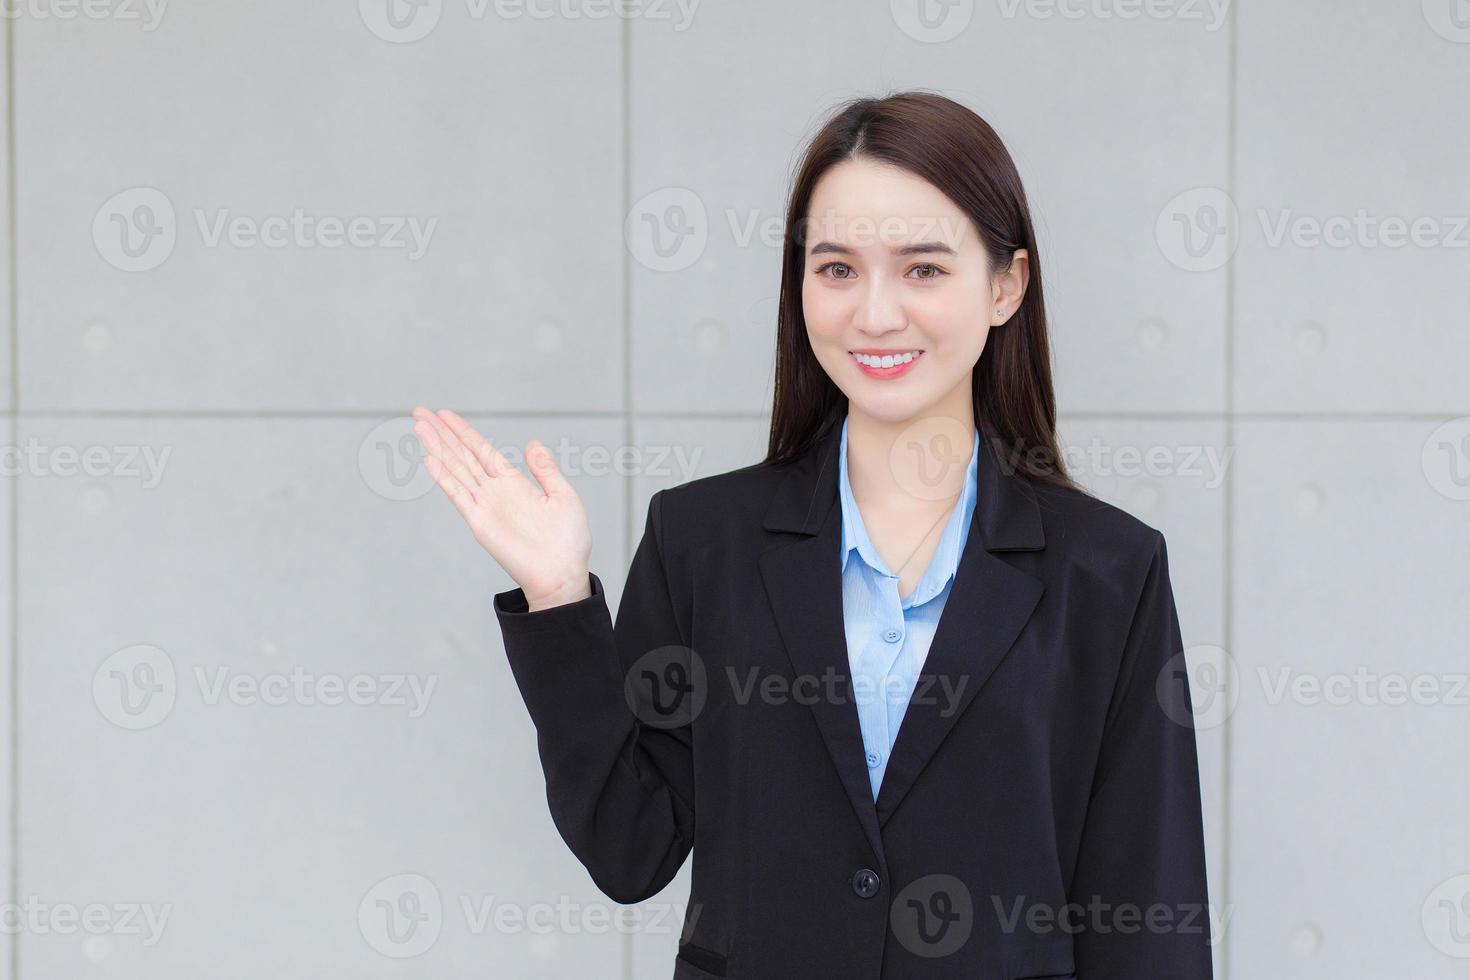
(863, 203)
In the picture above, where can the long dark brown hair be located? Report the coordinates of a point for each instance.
(946, 144)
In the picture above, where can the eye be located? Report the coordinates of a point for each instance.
(835, 265)
(929, 265)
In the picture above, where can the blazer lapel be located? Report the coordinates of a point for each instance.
(803, 581)
(989, 604)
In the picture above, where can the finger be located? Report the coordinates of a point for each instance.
(454, 454)
(491, 460)
(544, 468)
(458, 446)
(435, 439)
(458, 494)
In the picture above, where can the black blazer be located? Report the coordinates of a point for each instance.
(1040, 814)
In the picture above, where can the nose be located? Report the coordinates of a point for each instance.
(879, 309)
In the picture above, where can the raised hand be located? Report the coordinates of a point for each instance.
(535, 529)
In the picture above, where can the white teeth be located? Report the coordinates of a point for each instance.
(887, 360)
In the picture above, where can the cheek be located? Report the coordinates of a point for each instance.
(964, 344)
(823, 311)
(954, 318)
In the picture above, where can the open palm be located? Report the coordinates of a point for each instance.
(535, 529)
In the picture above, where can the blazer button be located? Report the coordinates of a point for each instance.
(865, 883)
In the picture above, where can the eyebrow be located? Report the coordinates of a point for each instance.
(918, 248)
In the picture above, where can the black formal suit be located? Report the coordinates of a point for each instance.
(1039, 816)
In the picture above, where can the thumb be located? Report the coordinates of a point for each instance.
(544, 468)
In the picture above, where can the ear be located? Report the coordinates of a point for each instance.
(1009, 287)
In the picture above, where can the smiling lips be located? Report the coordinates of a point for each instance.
(885, 363)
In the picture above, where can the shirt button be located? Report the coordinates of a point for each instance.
(873, 760)
(865, 883)
(891, 635)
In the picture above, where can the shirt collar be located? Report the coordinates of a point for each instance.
(946, 555)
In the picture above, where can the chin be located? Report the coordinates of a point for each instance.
(895, 409)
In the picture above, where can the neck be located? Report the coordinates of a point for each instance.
(914, 465)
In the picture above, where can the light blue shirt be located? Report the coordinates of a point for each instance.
(887, 637)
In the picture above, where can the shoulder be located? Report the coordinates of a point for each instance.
(1080, 530)
(706, 507)
(1075, 518)
(1102, 541)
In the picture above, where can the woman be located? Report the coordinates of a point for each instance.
(915, 701)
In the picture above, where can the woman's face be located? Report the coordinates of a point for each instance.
(894, 268)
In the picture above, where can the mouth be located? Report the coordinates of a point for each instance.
(885, 363)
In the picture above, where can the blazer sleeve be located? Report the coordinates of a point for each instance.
(1139, 891)
(619, 774)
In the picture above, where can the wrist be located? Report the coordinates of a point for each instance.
(572, 590)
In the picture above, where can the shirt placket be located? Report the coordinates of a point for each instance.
(886, 647)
